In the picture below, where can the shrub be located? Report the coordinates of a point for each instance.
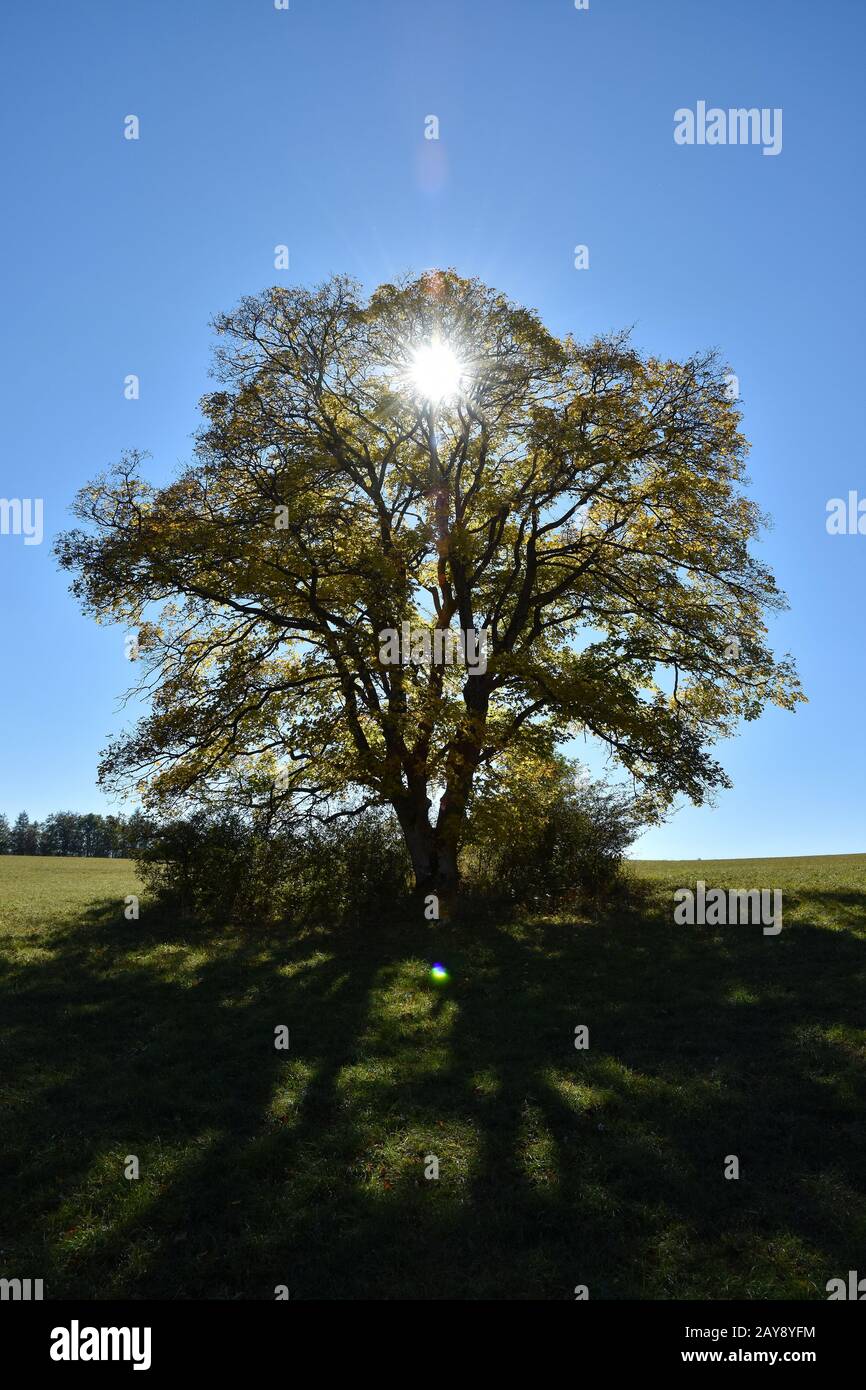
(565, 841)
(349, 868)
(217, 867)
(221, 867)
(539, 834)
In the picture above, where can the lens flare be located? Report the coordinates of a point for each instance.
(436, 372)
(439, 973)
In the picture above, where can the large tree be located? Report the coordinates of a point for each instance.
(432, 455)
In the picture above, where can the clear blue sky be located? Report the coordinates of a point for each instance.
(306, 127)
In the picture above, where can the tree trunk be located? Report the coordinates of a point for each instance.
(434, 858)
(433, 849)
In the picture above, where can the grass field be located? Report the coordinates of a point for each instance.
(558, 1167)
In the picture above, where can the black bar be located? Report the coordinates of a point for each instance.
(245, 1337)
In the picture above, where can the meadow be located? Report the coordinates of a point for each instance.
(558, 1167)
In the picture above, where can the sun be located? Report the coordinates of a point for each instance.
(436, 372)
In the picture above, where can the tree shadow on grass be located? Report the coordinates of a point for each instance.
(558, 1167)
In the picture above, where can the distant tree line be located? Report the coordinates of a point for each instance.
(88, 836)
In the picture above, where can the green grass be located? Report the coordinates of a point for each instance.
(557, 1167)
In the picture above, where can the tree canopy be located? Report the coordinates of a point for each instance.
(583, 504)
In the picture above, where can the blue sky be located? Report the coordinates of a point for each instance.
(306, 127)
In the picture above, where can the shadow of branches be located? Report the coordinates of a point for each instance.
(558, 1166)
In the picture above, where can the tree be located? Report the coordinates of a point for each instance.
(63, 834)
(25, 835)
(49, 836)
(5, 835)
(90, 832)
(134, 833)
(582, 504)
